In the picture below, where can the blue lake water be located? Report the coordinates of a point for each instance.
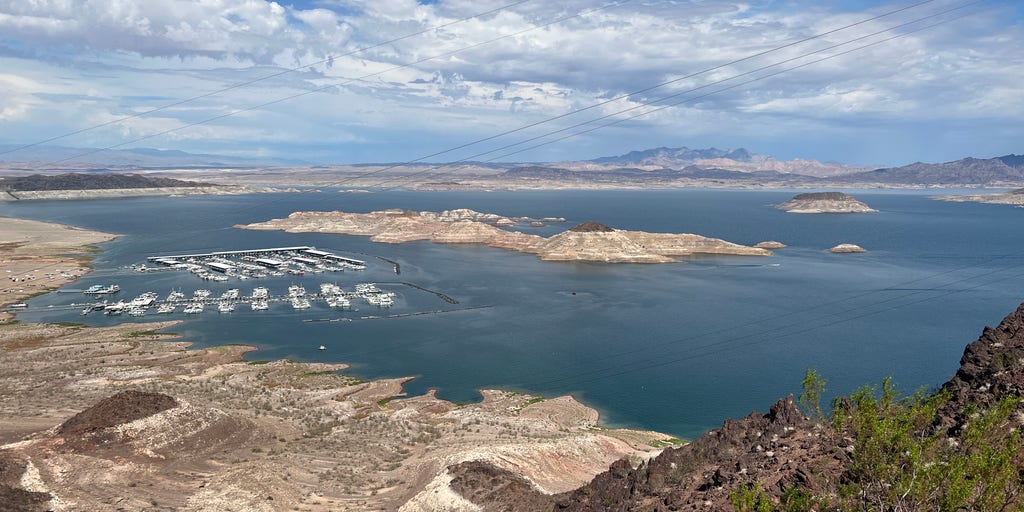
(674, 347)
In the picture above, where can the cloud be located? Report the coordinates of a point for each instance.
(95, 60)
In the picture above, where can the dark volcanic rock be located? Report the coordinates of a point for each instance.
(819, 196)
(497, 489)
(121, 408)
(12, 497)
(992, 367)
(95, 181)
(779, 450)
(591, 227)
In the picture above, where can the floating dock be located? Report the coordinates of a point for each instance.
(254, 263)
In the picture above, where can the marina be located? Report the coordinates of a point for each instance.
(221, 266)
(260, 299)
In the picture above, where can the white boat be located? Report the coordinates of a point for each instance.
(259, 305)
(300, 303)
(99, 289)
(145, 300)
(115, 309)
(260, 293)
(323, 347)
(201, 294)
(136, 310)
(296, 290)
(194, 308)
(225, 307)
(230, 294)
(166, 308)
(175, 296)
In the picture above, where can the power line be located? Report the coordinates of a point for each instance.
(622, 96)
(348, 81)
(329, 58)
(659, 100)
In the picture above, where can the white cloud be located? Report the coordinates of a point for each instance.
(102, 59)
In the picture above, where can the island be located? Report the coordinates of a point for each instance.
(847, 249)
(824, 202)
(770, 244)
(1013, 197)
(589, 241)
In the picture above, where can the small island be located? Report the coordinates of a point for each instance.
(824, 202)
(847, 249)
(770, 244)
(1013, 197)
(589, 241)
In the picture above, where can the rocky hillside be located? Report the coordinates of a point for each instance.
(90, 181)
(997, 171)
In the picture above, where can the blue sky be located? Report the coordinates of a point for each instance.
(950, 91)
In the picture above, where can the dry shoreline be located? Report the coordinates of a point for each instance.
(258, 435)
(34, 257)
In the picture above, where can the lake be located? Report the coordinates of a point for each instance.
(672, 347)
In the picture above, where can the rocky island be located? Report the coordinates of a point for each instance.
(589, 241)
(824, 202)
(1013, 197)
(847, 249)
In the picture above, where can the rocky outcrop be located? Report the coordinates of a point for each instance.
(776, 450)
(847, 249)
(992, 367)
(770, 244)
(123, 407)
(12, 497)
(589, 241)
(824, 202)
(591, 227)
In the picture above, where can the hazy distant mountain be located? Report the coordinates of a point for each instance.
(140, 157)
(676, 157)
(1003, 170)
(739, 160)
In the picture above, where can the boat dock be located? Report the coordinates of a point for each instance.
(253, 263)
(259, 300)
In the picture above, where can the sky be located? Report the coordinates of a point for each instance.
(355, 81)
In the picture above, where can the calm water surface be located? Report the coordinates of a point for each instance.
(676, 347)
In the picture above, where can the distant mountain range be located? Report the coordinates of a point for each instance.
(139, 158)
(742, 166)
(1002, 170)
(675, 156)
(661, 166)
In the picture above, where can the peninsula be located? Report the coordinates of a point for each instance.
(1013, 197)
(36, 257)
(110, 186)
(589, 241)
(824, 202)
